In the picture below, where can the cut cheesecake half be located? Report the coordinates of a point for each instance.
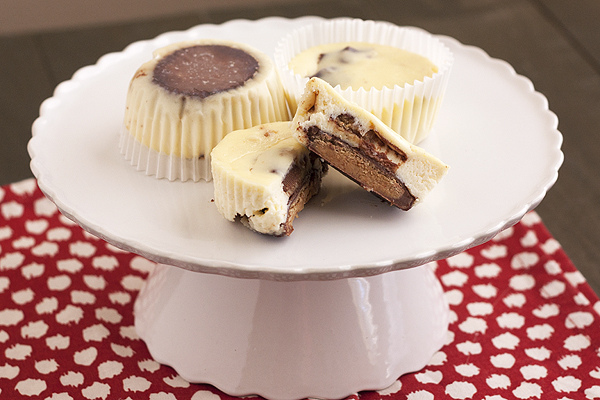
(360, 146)
(263, 177)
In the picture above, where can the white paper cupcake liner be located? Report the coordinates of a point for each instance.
(411, 109)
(161, 140)
(162, 165)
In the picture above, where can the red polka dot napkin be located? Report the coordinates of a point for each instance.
(524, 323)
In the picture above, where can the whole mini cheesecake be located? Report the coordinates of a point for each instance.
(188, 97)
(363, 148)
(399, 74)
(263, 177)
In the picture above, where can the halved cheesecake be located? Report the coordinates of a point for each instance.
(263, 177)
(359, 145)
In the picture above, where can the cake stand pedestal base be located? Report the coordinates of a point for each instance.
(292, 340)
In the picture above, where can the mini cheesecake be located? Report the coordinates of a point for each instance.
(263, 177)
(399, 74)
(188, 97)
(363, 148)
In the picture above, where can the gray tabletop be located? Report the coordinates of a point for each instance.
(554, 43)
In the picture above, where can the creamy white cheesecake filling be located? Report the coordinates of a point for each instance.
(362, 65)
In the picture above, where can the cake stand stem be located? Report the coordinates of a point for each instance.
(292, 340)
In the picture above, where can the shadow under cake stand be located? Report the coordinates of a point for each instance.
(349, 301)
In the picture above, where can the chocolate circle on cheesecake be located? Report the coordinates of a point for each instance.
(204, 70)
(183, 101)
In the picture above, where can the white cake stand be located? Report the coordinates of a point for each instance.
(289, 340)
(349, 302)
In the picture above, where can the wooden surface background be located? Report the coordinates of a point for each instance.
(555, 43)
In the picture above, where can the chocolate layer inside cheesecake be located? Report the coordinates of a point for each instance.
(302, 181)
(204, 70)
(371, 163)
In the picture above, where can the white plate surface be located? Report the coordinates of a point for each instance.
(494, 130)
